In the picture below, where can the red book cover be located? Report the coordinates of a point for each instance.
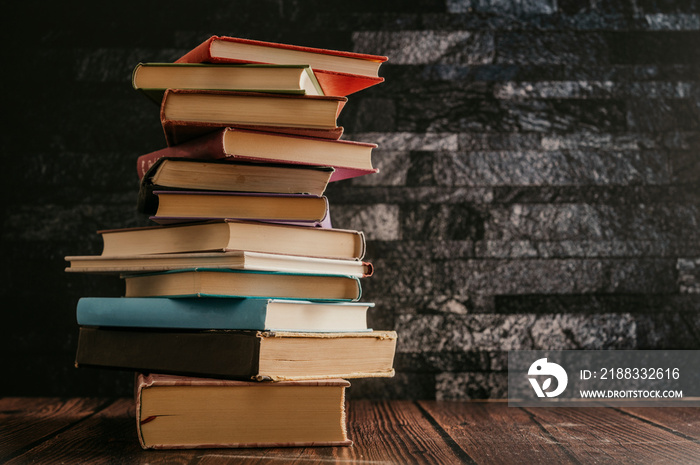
(333, 82)
(179, 131)
(212, 146)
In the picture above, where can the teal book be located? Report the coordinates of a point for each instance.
(236, 283)
(238, 314)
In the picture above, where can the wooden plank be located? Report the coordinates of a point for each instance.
(393, 432)
(108, 436)
(606, 435)
(492, 432)
(382, 432)
(25, 421)
(679, 420)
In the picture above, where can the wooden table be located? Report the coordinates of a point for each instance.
(89, 430)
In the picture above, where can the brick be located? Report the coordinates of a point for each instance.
(671, 330)
(347, 194)
(441, 222)
(672, 22)
(593, 222)
(427, 333)
(473, 385)
(534, 47)
(594, 89)
(409, 141)
(597, 195)
(584, 249)
(639, 303)
(516, 7)
(421, 47)
(663, 115)
(689, 275)
(514, 168)
(378, 222)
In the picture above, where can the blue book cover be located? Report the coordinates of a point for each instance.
(234, 313)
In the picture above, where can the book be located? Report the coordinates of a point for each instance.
(230, 235)
(236, 283)
(218, 175)
(176, 206)
(233, 260)
(338, 72)
(179, 412)
(251, 314)
(186, 113)
(348, 158)
(234, 354)
(152, 79)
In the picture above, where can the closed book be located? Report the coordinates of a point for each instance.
(347, 158)
(152, 79)
(250, 314)
(230, 176)
(186, 113)
(235, 283)
(177, 205)
(232, 260)
(230, 235)
(180, 412)
(338, 72)
(244, 355)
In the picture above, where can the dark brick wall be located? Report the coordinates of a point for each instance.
(539, 182)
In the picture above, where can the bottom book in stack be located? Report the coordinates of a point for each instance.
(181, 412)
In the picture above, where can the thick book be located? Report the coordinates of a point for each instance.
(244, 355)
(250, 314)
(180, 412)
(186, 113)
(348, 158)
(233, 260)
(176, 206)
(236, 283)
(230, 235)
(338, 72)
(231, 176)
(152, 79)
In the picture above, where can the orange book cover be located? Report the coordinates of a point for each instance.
(332, 82)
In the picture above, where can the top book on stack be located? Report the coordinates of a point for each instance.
(339, 73)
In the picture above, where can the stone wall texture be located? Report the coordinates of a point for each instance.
(539, 183)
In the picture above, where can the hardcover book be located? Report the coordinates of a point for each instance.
(338, 72)
(206, 205)
(233, 260)
(230, 235)
(235, 283)
(244, 355)
(186, 114)
(154, 78)
(234, 176)
(348, 158)
(179, 412)
(249, 314)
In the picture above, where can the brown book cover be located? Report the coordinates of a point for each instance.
(243, 355)
(238, 413)
(178, 130)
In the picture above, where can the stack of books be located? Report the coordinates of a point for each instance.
(242, 314)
